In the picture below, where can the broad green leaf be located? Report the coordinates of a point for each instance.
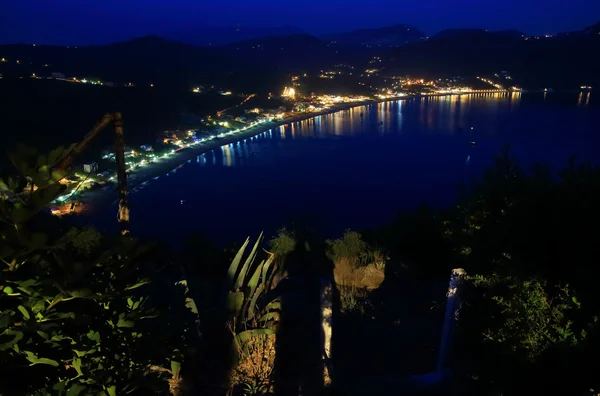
(7, 290)
(125, 323)
(32, 357)
(16, 337)
(50, 362)
(27, 283)
(38, 306)
(191, 304)
(81, 353)
(59, 337)
(112, 390)
(26, 287)
(24, 312)
(77, 365)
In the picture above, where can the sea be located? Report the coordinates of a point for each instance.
(357, 168)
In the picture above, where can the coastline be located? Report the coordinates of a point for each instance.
(99, 198)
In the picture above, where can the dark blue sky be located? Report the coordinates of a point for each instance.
(100, 21)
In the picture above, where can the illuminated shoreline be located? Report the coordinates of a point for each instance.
(97, 199)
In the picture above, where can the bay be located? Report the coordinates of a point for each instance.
(357, 168)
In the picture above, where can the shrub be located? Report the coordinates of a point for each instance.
(356, 264)
(283, 244)
(530, 316)
(350, 248)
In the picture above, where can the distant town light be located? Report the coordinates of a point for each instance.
(289, 93)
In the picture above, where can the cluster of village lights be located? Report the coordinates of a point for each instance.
(155, 158)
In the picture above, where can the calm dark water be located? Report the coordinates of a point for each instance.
(346, 171)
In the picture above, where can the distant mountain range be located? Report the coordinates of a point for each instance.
(590, 31)
(453, 33)
(214, 37)
(390, 36)
(258, 64)
(562, 62)
(396, 35)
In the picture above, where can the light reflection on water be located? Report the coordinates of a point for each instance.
(435, 114)
(355, 168)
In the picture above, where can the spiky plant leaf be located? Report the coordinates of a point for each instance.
(273, 305)
(235, 264)
(247, 264)
(270, 316)
(266, 266)
(253, 282)
(243, 337)
(235, 302)
(253, 300)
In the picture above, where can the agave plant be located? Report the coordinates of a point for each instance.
(253, 317)
(250, 312)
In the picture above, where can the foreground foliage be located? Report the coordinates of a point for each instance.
(77, 311)
(82, 314)
(527, 317)
(534, 301)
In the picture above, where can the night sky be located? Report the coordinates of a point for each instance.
(92, 21)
